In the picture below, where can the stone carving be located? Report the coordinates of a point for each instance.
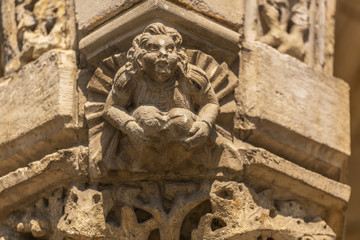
(240, 213)
(40, 25)
(286, 26)
(162, 102)
(37, 221)
(165, 210)
(138, 211)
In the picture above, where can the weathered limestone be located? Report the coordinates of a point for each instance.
(53, 171)
(228, 13)
(91, 14)
(117, 34)
(294, 111)
(39, 110)
(109, 208)
(30, 28)
(303, 29)
(199, 126)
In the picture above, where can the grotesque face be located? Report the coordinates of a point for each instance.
(161, 58)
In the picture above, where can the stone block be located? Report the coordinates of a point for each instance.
(293, 110)
(92, 13)
(228, 12)
(326, 197)
(198, 32)
(53, 171)
(38, 110)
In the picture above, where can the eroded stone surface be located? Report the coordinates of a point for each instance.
(240, 213)
(166, 210)
(37, 221)
(229, 12)
(38, 110)
(116, 35)
(294, 111)
(165, 159)
(91, 14)
(159, 103)
(33, 27)
(301, 28)
(54, 170)
(285, 26)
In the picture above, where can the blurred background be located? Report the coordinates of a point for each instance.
(347, 67)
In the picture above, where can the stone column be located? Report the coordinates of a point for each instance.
(172, 120)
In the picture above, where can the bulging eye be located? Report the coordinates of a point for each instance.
(170, 50)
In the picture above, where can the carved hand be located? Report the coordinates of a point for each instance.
(136, 133)
(199, 132)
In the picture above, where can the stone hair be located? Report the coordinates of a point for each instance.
(137, 51)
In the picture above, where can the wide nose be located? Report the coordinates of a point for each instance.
(162, 52)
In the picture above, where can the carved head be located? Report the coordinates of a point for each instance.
(157, 52)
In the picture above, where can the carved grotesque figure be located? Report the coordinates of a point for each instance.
(158, 97)
(157, 107)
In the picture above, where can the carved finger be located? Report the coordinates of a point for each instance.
(194, 129)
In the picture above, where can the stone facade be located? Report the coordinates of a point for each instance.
(172, 120)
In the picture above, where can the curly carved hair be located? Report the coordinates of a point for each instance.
(137, 51)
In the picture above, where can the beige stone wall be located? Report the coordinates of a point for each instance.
(172, 119)
(347, 66)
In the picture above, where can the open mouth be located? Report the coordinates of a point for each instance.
(162, 66)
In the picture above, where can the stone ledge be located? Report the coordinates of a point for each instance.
(91, 14)
(229, 13)
(293, 111)
(198, 31)
(53, 171)
(261, 170)
(39, 110)
(266, 170)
